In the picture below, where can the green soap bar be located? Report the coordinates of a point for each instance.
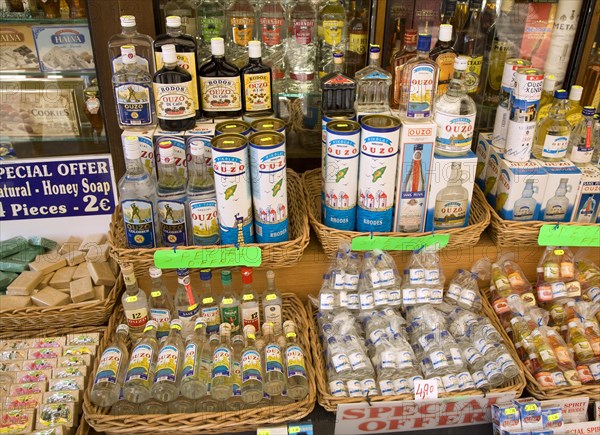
(43, 242)
(7, 265)
(12, 246)
(26, 255)
(6, 278)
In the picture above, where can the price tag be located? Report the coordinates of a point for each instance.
(553, 417)
(569, 235)
(271, 297)
(250, 256)
(426, 389)
(155, 294)
(367, 243)
(559, 252)
(510, 411)
(192, 307)
(207, 300)
(248, 297)
(131, 299)
(227, 301)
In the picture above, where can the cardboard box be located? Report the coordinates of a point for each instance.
(506, 418)
(201, 135)
(64, 48)
(587, 200)
(561, 190)
(181, 155)
(417, 142)
(484, 143)
(531, 413)
(552, 418)
(450, 212)
(17, 49)
(146, 140)
(492, 174)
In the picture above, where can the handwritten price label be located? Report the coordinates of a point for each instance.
(569, 235)
(426, 389)
(367, 243)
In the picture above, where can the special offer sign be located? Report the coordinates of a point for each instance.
(405, 416)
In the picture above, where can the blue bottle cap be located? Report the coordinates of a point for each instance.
(338, 55)
(183, 272)
(374, 49)
(589, 111)
(561, 94)
(424, 42)
(205, 275)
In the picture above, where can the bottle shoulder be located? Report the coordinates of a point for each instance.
(218, 69)
(183, 43)
(171, 76)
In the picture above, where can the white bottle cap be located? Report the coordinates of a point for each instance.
(196, 149)
(549, 83)
(461, 63)
(123, 328)
(173, 21)
(169, 53)
(165, 150)
(128, 54)
(217, 46)
(254, 51)
(445, 32)
(177, 323)
(155, 272)
(131, 147)
(575, 93)
(127, 21)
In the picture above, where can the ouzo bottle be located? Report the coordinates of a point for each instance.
(171, 198)
(197, 362)
(168, 365)
(249, 305)
(111, 370)
(235, 403)
(230, 304)
(160, 304)
(272, 302)
(209, 307)
(221, 386)
(186, 302)
(295, 363)
(135, 303)
(252, 378)
(140, 372)
(274, 383)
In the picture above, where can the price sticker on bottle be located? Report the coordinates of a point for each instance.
(426, 389)
(131, 299)
(156, 294)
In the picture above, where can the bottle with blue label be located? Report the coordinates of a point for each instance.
(134, 97)
(274, 381)
(111, 370)
(373, 86)
(171, 198)
(137, 192)
(167, 376)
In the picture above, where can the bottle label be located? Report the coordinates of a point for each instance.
(351, 281)
(416, 276)
(273, 315)
(302, 31)
(326, 301)
(388, 359)
(138, 217)
(92, 105)
(205, 222)
(338, 389)
(163, 319)
(404, 360)
(369, 387)
(420, 100)
(172, 222)
(134, 104)
(274, 360)
(187, 62)
(446, 63)
(295, 362)
(555, 146)
(409, 296)
(221, 94)
(237, 379)
(271, 30)
(332, 31)
(354, 388)
(137, 318)
(582, 153)
(454, 132)
(231, 315)
(251, 366)
(250, 315)
(401, 386)
(366, 301)
(139, 364)
(473, 75)
(341, 363)
(438, 360)
(213, 320)
(386, 387)
(108, 368)
(357, 43)
(188, 317)
(166, 364)
(450, 214)
(354, 301)
(189, 359)
(211, 27)
(523, 213)
(242, 30)
(221, 362)
(380, 297)
(257, 92)
(491, 369)
(357, 360)
(175, 101)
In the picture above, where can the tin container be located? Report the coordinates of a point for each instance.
(380, 135)
(269, 186)
(232, 185)
(269, 124)
(233, 127)
(341, 174)
(523, 110)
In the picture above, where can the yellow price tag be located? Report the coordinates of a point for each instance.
(293, 429)
(509, 411)
(192, 307)
(207, 300)
(227, 301)
(271, 297)
(248, 297)
(155, 294)
(553, 417)
(264, 432)
(131, 299)
(530, 407)
(290, 334)
(559, 252)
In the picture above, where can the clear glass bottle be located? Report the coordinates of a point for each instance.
(471, 42)
(137, 194)
(186, 302)
(581, 141)
(186, 10)
(197, 361)
(135, 303)
(455, 115)
(140, 371)
(451, 203)
(557, 205)
(460, 15)
(273, 31)
(444, 55)
(358, 36)
(272, 304)
(111, 370)
(230, 303)
(203, 221)
(250, 310)
(547, 97)
(552, 135)
(331, 34)
(221, 387)
(295, 363)
(574, 107)
(134, 98)
(252, 369)
(130, 36)
(591, 78)
(257, 83)
(524, 209)
(160, 304)
(373, 86)
(240, 16)
(235, 403)
(209, 306)
(171, 193)
(167, 376)
(301, 45)
(211, 24)
(274, 382)
(406, 53)
(419, 82)
(338, 90)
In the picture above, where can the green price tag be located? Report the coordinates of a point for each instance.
(366, 243)
(569, 235)
(250, 256)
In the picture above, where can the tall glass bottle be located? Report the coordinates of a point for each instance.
(301, 45)
(471, 42)
(274, 382)
(174, 94)
(210, 15)
(135, 303)
(581, 141)
(209, 306)
(249, 305)
(222, 366)
(167, 376)
(451, 202)
(272, 304)
(160, 303)
(235, 403)
(552, 136)
(186, 302)
(230, 304)
(455, 115)
(179, 35)
(331, 32)
(186, 10)
(257, 82)
(460, 15)
(398, 41)
(373, 85)
(338, 90)
(547, 97)
(220, 84)
(252, 370)
(358, 36)
(202, 217)
(171, 198)
(240, 30)
(137, 194)
(273, 31)
(197, 361)
(111, 370)
(444, 54)
(591, 79)
(419, 82)
(130, 36)
(406, 53)
(574, 110)
(140, 371)
(295, 363)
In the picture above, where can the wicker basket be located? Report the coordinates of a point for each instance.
(204, 422)
(280, 254)
(331, 238)
(40, 318)
(330, 403)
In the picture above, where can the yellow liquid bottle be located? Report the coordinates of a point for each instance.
(574, 111)
(547, 97)
(579, 343)
(544, 350)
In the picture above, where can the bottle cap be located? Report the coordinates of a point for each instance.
(183, 272)
(173, 21)
(445, 32)
(176, 323)
(424, 42)
(254, 49)
(155, 272)
(226, 277)
(338, 57)
(127, 21)
(128, 54)
(200, 323)
(131, 147)
(217, 46)
(560, 94)
(461, 63)
(410, 37)
(151, 324)
(549, 83)
(123, 328)
(246, 275)
(270, 274)
(588, 111)
(169, 53)
(374, 52)
(225, 328)
(205, 274)
(165, 150)
(576, 92)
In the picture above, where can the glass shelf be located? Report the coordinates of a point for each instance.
(42, 20)
(28, 147)
(47, 74)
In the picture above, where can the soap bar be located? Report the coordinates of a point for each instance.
(14, 302)
(74, 258)
(72, 244)
(67, 384)
(91, 241)
(98, 253)
(12, 246)
(62, 396)
(6, 278)
(83, 338)
(45, 281)
(81, 271)
(101, 274)
(82, 290)
(48, 263)
(23, 419)
(62, 277)
(50, 297)
(56, 414)
(25, 283)
(26, 401)
(27, 255)
(101, 292)
(74, 361)
(43, 242)
(7, 265)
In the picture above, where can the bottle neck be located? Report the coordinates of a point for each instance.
(170, 65)
(271, 285)
(338, 67)
(174, 31)
(121, 337)
(374, 60)
(206, 287)
(457, 84)
(150, 333)
(291, 338)
(225, 339)
(131, 287)
(247, 288)
(129, 30)
(200, 334)
(218, 57)
(168, 169)
(197, 167)
(157, 283)
(134, 166)
(255, 61)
